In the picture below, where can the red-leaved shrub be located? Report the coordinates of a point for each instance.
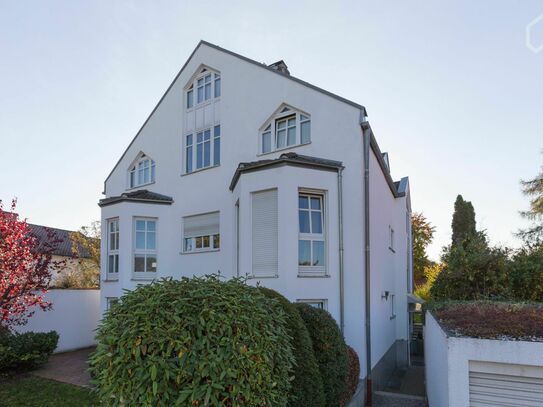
(353, 376)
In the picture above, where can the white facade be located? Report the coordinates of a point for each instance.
(469, 371)
(253, 97)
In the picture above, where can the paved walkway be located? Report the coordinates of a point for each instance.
(68, 367)
(384, 399)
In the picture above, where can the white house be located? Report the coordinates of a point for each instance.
(246, 170)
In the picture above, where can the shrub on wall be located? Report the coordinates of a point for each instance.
(193, 342)
(353, 376)
(330, 350)
(307, 388)
(27, 350)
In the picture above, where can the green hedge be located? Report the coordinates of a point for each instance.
(330, 350)
(193, 342)
(27, 350)
(353, 376)
(307, 388)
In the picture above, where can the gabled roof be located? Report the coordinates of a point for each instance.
(140, 196)
(251, 61)
(63, 238)
(292, 159)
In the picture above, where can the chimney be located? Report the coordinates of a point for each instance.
(280, 66)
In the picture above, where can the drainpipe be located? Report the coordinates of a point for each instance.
(367, 137)
(341, 276)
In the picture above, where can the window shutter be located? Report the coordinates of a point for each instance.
(265, 236)
(201, 225)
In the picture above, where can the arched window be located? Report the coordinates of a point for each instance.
(286, 128)
(142, 172)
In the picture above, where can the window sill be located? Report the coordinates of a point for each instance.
(110, 279)
(139, 186)
(283, 149)
(199, 170)
(261, 277)
(305, 274)
(200, 251)
(143, 278)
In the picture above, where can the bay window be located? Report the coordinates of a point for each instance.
(145, 248)
(311, 237)
(112, 249)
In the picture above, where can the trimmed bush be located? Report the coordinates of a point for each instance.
(353, 376)
(330, 350)
(307, 388)
(27, 350)
(193, 342)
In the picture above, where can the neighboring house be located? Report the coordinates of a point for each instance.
(246, 170)
(63, 253)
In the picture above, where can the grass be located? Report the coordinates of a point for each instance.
(33, 391)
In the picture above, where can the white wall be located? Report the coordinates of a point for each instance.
(436, 361)
(75, 316)
(449, 386)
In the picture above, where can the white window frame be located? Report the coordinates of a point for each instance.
(110, 301)
(272, 127)
(206, 79)
(144, 275)
(391, 239)
(313, 270)
(317, 303)
(214, 240)
(138, 168)
(112, 252)
(214, 148)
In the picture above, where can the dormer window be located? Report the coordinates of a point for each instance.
(142, 172)
(207, 85)
(285, 129)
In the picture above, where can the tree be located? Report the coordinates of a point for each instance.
(534, 190)
(423, 234)
(86, 252)
(463, 222)
(25, 269)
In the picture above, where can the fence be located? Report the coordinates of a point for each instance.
(74, 316)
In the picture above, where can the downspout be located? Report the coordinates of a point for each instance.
(341, 276)
(367, 136)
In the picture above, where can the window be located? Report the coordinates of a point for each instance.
(265, 233)
(145, 253)
(113, 249)
(391, 239)
(286, 129)
(201, 233)
(320, 304)
(203, 151)
(207, 85)
(311, 239)
(143, 172)
(110, 302)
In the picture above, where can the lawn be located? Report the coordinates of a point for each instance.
(32, 391)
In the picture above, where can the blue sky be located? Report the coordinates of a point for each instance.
(452, 91)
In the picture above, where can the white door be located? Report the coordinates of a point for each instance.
(505, 385)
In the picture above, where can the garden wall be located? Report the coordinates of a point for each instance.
(450, 359)
(74, 316)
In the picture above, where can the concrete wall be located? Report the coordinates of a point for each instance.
(448, 360)
(75, 316)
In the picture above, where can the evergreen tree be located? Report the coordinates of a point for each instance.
(463, 222)
(534, 189)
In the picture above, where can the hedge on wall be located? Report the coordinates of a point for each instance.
(193, 342)
(353, 376)
(330, 350)
(307, 388)
(27, 350)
